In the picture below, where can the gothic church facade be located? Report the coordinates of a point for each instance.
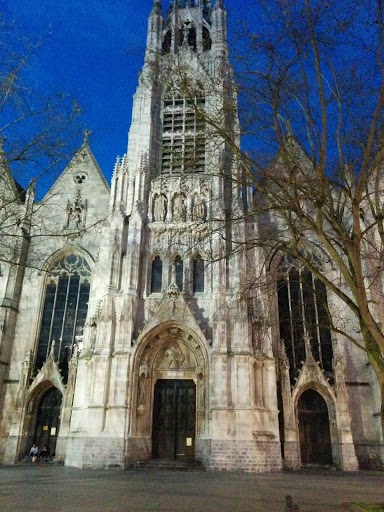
(124, 338)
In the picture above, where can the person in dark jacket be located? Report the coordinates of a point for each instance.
(44, 454)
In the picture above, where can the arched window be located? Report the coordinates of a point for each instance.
(65, 310)
(187, 33)
(207, 42)
(198, 274)
(302, 302)
(167, 42)
(157, 275)
(179, 272)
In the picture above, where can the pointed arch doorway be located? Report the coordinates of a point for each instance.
(171, 395)
(314, 431)
(48, 420)
(174, 419)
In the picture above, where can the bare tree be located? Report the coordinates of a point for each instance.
(38, 130)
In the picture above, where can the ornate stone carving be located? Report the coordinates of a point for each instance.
(76, 213)
(174, 357)
(284, 361)
(49, 372)
(175, 354)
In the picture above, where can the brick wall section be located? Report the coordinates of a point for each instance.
(291, 455)
(75, 449)
(368, 456)
(203, 451)
(139, 449)
(248, 456)
(95, 453)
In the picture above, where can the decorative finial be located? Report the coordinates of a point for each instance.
(157, 5)
(52, 351)
(87, 133)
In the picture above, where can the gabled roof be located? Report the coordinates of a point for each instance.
(84, 158)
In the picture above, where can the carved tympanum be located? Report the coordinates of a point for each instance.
(175, 356)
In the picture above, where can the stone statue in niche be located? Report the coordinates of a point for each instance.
(179, 209)
(185, 34)
(93, 327)
(76, 212)
(199, 208)
(160, 208)
(256, 333)
(201, 389)
(141, 391)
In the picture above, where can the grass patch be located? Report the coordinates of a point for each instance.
(370, 507)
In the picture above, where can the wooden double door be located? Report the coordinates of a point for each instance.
(315, 438)
(48, 420)
(174, 419)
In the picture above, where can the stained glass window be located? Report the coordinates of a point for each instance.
(302, 302)
(65, 310)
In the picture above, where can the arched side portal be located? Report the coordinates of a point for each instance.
(47, 422)
(314, 430)
(169, 395)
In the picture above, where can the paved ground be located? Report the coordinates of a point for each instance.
(57, 489)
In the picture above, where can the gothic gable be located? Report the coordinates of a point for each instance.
(80, 197)
(172, 308)
(49, 373)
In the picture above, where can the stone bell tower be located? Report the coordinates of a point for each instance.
(170, 367)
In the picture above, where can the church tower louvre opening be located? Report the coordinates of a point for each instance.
(130, 342)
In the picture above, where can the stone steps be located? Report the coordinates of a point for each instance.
(317, 467)
(170, 465)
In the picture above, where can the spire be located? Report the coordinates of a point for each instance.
(219, 4)
(157, 8)
(155, 25)
(182, 4)
(30, 194)
(219, 28)
(116, 169)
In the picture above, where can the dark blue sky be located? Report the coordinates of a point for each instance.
(90, 51)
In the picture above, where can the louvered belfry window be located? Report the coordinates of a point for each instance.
(183, 135)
